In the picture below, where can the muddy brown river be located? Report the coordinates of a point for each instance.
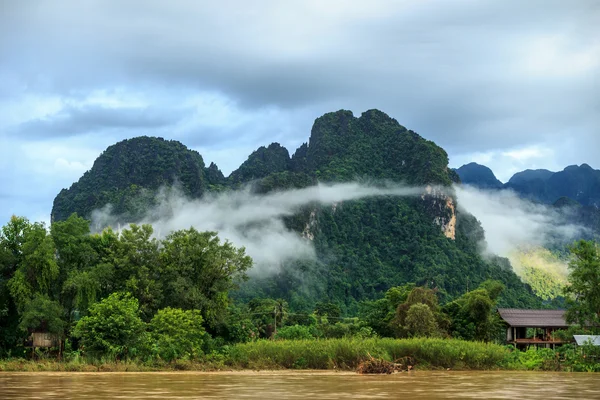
(300, 385)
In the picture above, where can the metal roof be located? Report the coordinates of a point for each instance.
(533, 318)
(587, 339)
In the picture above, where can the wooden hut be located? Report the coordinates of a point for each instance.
(526, 328)
(43, 339)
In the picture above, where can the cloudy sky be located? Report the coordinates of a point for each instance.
(510, 84)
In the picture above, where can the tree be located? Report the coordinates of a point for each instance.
(199, 271)
(37, 269)
(420, 321)
(136, 261)
(328, 309)
(176, 333)
(113, 327)
(268, 315)
(43, 313)
(473, 315)
(425, 297)
(12, 236)
(583, 292)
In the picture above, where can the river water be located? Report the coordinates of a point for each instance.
(300, 385)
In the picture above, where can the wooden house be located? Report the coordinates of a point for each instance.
(526, 328)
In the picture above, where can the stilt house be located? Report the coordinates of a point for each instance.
(525, 328)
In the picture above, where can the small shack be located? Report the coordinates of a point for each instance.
(526, 328)
(43, 340)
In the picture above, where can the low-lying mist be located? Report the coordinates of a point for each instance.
(251, 220)
(256, 221)
(514, 225)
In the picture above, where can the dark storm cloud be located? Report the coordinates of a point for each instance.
(474, 76)
(96, 119)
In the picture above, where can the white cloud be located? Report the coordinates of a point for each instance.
(556, 56)
(528, 153)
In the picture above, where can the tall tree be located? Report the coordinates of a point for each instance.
(199, 270)
(583, 292)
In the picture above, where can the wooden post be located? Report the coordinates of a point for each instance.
(274, 322)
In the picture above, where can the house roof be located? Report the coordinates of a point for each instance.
(585, 339)
(533, 318)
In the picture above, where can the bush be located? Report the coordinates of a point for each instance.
(294, 332)
(113, 327)
(176, 333)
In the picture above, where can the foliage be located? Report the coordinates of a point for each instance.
(128, 174)
(419, 315)
(583, 291)
(294, 332)
(43, 313)
(420, 321)
(199, 270)
(543, 270)
(37, 268)
(113, 327)
(267, 314)
(349, 353)
(176, 333)
(473, 315)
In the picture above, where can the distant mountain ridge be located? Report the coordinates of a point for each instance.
(579, 183)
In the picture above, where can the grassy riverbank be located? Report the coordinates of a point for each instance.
(331, 354)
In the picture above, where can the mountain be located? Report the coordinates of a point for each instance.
(363, 247)
(579, 183)
(530, 175)
(479, 176)
(128, 174)
(261, 163)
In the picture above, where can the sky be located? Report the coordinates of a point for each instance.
(509, 84)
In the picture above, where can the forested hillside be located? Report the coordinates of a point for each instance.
(363, 247)
(128, 174)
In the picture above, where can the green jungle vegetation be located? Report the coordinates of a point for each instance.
(545, 271)
(363, 247)
(150, 304)
(388, 271)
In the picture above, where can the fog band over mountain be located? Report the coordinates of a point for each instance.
(518, 229)
(511, 222)
(252, 220)
(255, 221)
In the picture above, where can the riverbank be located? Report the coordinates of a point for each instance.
(330, 354)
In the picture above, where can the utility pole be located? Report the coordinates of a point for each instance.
(275, 322)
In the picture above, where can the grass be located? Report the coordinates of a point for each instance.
(334, 354)
(347, 354)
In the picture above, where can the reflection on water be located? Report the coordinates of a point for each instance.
(300, 385)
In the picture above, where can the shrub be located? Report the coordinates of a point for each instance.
(294, 332)
(176, 333)
(113, 327)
